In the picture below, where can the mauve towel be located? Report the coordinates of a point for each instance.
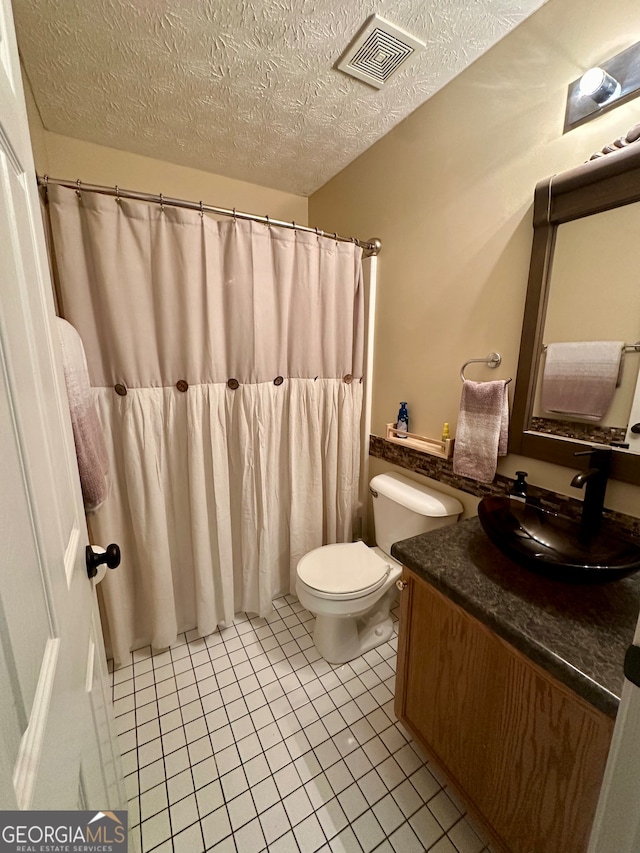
(87, 433)
(581, 378)
(483, 429)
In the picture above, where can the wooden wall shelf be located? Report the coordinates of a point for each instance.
(442, 449)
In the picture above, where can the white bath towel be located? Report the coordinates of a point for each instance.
(91, 451)
(483, 429)
(580, 378)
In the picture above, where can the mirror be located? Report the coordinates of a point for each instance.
(582, 287)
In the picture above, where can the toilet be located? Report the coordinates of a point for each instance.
(349, 587)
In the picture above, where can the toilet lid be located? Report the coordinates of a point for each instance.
(343, 568)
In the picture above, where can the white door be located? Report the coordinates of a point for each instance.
(58, 749)
(616, 828)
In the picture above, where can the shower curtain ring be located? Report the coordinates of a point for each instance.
(201, 211)
(268, 223)
(335, 237)
(118, 194)
(235, 218)
(78, 183)
(161, 202)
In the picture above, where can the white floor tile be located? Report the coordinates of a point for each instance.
(189, 840)
(286, 844)
(153, 801)
(204, 772)
(407, 798)
(298, 806)
(274, 822)
(234, 783)
(443, 846)
(184, 813)
(265, 794)
(339, 776)
(225, 752)
(444, 810)
(345, 842)
(216, 826)
(250, 838)
(391, 772)
(209, 798)
(319, 790)
(465, 838)
(180, 786)
(353, 802)
(176, 762)
(404, 840)
(241, 810)
(155, 830)
(277, 756)
(309, 834)
(426, 827)
(368, 831)
(287, 780)
(389, 815)
(332, 818)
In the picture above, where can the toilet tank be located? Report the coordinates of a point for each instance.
(404, 508)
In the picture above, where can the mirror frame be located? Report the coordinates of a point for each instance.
(612, 180)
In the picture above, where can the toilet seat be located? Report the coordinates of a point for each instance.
(342, 571)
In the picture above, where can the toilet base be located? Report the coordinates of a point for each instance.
(341, 639)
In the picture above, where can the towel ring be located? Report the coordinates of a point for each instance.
(492, 360)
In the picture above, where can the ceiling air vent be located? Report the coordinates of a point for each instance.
(379, 51)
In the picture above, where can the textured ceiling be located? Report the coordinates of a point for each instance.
(242, 89)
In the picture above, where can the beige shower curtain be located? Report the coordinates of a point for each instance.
(227, 363)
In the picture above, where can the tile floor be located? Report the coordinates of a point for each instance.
(247, 740)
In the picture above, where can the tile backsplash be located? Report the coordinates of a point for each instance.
(442, 470)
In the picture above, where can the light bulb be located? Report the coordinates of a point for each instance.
(598, 85)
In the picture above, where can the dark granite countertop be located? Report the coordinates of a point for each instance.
(579, 634)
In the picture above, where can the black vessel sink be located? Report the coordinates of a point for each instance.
(555, 546)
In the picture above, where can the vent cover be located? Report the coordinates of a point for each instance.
(379, 51)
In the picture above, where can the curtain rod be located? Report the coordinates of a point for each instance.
(371, 247)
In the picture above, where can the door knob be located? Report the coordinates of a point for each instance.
(401, 584)
(94, 559)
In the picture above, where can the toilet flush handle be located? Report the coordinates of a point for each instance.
(401, 584)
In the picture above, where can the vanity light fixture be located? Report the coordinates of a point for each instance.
(603, 87)
(598, 85)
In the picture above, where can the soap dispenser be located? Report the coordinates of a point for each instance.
(519, 489)
(402, 424)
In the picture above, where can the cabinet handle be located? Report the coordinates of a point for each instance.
(401, 584)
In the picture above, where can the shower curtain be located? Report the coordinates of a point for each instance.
(227, 362)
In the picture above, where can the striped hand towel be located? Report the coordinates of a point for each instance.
(483, 429)
(580, 378)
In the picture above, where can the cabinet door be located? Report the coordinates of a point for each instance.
(527, 753)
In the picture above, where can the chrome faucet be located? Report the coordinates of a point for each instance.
(594, 479)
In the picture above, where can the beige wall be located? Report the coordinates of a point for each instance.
(449, 192)
(64, 157)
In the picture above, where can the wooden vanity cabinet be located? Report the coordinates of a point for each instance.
(525, 752)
